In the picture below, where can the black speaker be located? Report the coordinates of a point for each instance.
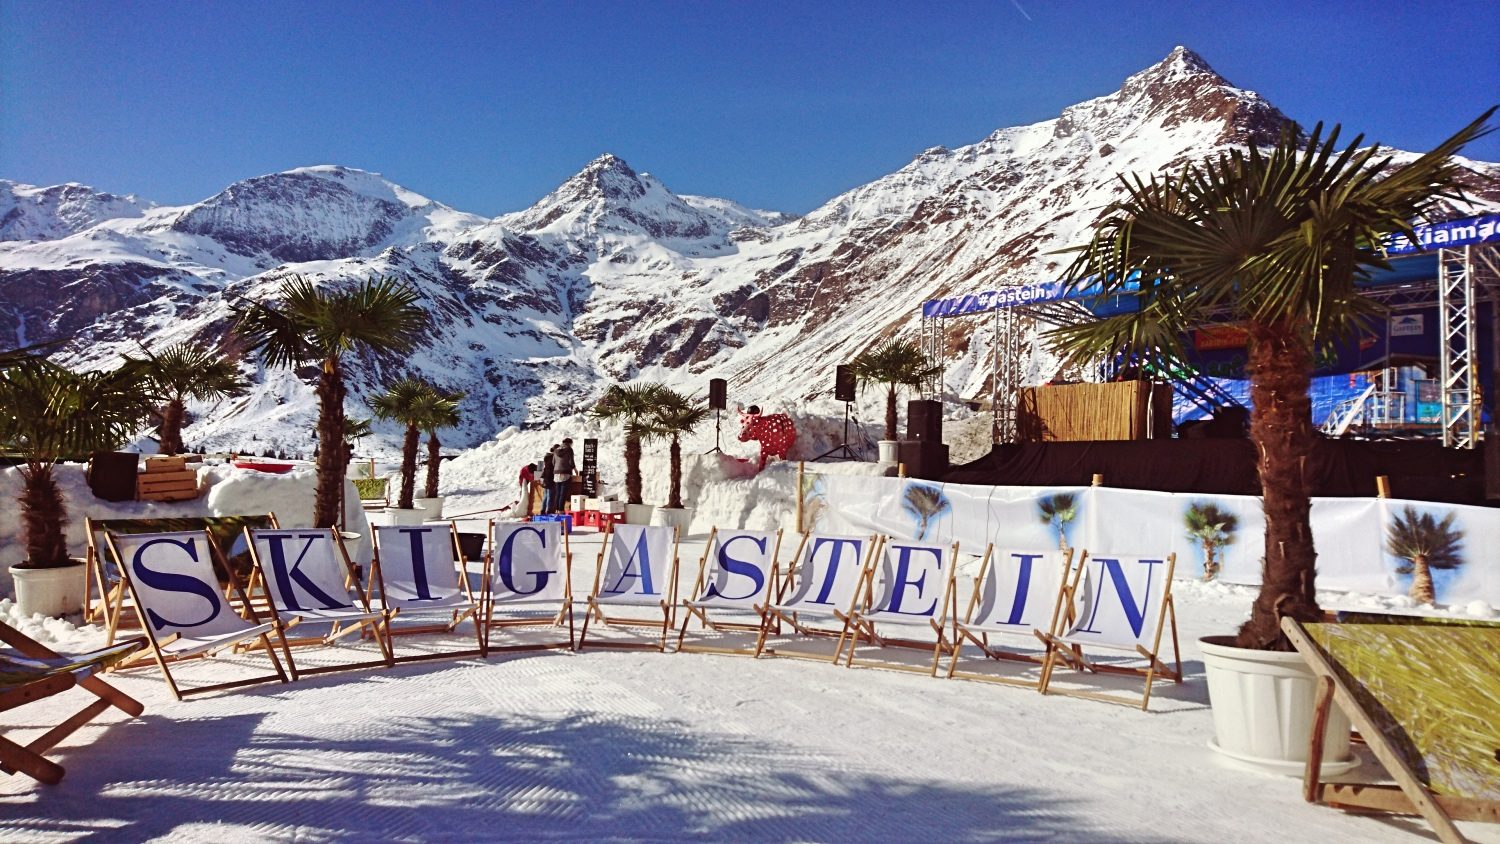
(718, 394)
(111, 475)
(924, 420)
(843, 382)
(924, 459)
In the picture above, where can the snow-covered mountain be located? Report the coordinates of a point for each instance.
(32, 213)
(612, 276)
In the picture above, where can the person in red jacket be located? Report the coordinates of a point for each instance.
(528, 479)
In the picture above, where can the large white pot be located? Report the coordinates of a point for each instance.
(403, 516)
(890, 451)
(1263, 709)
(433, 506)
(678, 517)
(50, 592)
(638, 514)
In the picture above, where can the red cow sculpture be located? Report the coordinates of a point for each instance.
(775, 432)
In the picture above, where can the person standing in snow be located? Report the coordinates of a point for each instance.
(527, 480)
(547, 462)
(562, 474)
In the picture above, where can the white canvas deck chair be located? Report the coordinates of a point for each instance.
(172, 581)
(736, 576)
(637, 568)
(1017, 594)
(908, 585)
(420, 573)
(1121, 604)
(822, 585)
(528, 581)
(310, 580)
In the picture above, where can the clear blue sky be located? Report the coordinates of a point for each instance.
(486, 106)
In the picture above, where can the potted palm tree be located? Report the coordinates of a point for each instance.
(672, 415)
(443, 413)
(323, 326)
(895, 363)
(1275, 239)
(47, 414)
(410, 402)
(186, 371)
(630, 405)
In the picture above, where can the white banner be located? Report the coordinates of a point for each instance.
(529, 564)
(638, 568)
(737, 571)
(828, 574)
(1221, 536)
(911, 582)
(1119, 601)
(1019, 592)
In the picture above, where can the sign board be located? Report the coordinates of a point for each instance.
(1406, 325)
(591, 468)
(1211, 337)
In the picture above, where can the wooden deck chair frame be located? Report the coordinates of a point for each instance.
(691, 609)
(28, 759)
(862, 625)
(596, 611)
(1061, 614)
(247, 611)
(1408, 796)
(777, 616)
(376, 622)
(457, 615)
(565, 611)
(1059, 649)
(109, 606)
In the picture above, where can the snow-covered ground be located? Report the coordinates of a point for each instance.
(609, 745)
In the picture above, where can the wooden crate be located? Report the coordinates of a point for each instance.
(159, 483)
(1125, 410)
(165, 464)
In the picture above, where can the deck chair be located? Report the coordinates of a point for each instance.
(1017, 594)
(171, 578)
(310, 580)
(30, 671)
(909, 585)
(637, 567)
(822, 584)
(736, 575)
(419, 572)
(1121, 604)
(1423, 698)
(528, 583)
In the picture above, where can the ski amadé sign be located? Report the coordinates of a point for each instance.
(1465, 232)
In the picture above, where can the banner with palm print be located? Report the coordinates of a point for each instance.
(1440, 553)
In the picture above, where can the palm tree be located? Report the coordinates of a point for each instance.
(322, 326)
(1058, 511)
(894, 363)
(672, 415)
(1213, 528)
(924, 503)
(186, 371)
(48, 413)
(442, 414)
(1425, 544)
(1277, 240)
(630, 405)
(411, 402)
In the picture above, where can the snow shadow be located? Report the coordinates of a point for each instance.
(505, 777)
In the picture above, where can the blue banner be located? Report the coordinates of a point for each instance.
(1465, 232)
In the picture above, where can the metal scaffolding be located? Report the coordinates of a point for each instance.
(1464, 274)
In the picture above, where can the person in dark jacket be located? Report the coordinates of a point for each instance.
(547, 462)
(562, 474)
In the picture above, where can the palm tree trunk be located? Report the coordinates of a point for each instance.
(1280, 359)
(1210, 567)
(330, 444)
(632, 469)
(409, 467)
(890, 413)
(1062, 538)
(171, 427)
(674, 496)
(42, 517)
(434, 458)
(1421, 581)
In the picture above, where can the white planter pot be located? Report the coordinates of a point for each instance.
(50, 592)
(1263, 710)
(402, 516)
(678, 517)
(890, 451)
(433, 506)
(638, 514)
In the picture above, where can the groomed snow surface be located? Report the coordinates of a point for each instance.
(610, 745)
